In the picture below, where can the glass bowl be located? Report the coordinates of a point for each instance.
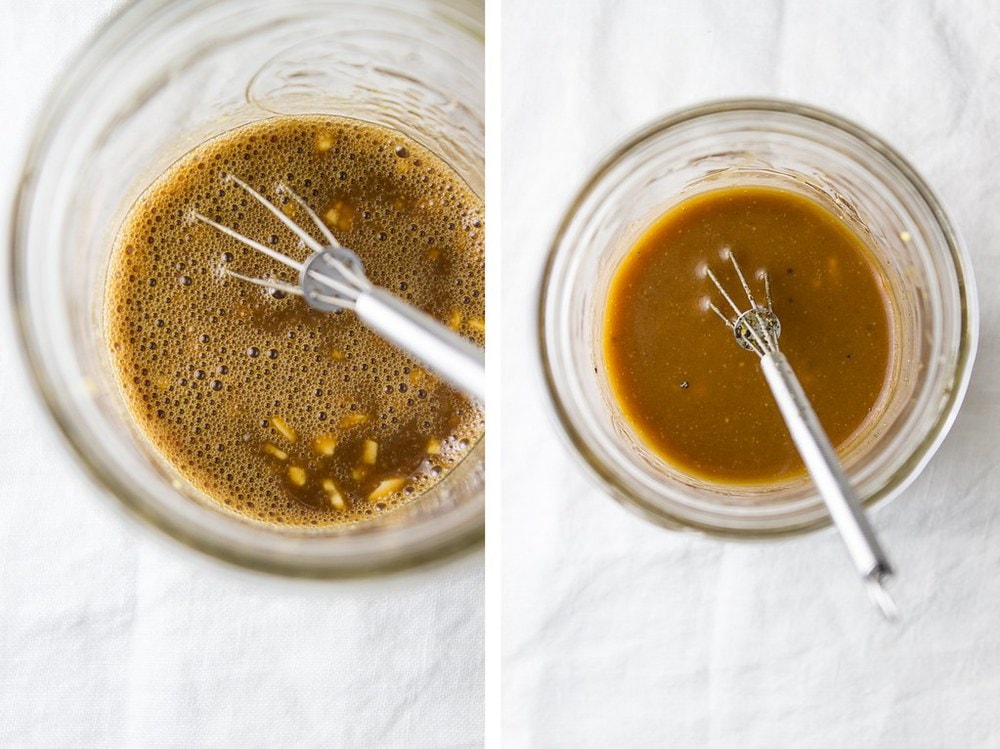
(161, 78)
(854, 175)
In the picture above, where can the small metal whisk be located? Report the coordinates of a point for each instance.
(757, 329)
(333, 278)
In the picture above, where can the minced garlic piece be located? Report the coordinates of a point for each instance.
(325, 444)
(334, 496)
(275, 451)
(385, 488)
(353, 419)
(297, 475)
(281, 426)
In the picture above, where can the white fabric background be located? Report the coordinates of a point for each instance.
(111, 638)
(618, 633)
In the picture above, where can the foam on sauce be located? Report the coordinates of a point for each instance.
(276, 411)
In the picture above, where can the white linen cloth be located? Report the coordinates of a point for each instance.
(110, 637)
(619, 633)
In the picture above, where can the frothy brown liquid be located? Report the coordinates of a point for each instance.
(276, 411)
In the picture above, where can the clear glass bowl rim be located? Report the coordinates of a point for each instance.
(236, 549)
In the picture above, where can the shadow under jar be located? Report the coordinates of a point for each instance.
(162, 78)
(854, 176)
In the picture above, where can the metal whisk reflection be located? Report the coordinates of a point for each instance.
(757, 329)
(333, 278)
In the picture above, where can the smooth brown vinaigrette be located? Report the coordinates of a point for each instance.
(691, 392)
(276, 411)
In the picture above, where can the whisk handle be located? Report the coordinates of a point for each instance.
(441, 349)
(821, 461)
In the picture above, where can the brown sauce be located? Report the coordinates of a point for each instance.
(276, 411)
(692, 394)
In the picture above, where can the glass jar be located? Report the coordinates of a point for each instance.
(857, 177)
(161, 78)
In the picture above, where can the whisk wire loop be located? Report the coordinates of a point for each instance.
(323, 229)
(267, 283)
(253, 243)
(724, 293)
(333, 279)
(297, 230)
(743, 280)
(757, 329)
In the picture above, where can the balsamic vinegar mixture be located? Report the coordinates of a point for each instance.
(279, 412)
(691, 393)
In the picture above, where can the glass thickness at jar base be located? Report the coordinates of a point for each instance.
(833, 162)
